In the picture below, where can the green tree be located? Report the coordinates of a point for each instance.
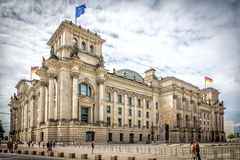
(2, 131)
(231, 136)
(5, 137)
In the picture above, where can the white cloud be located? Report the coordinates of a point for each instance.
(186, 39)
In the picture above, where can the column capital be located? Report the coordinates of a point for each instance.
(100, 81)
(74, 74)
(52, 75)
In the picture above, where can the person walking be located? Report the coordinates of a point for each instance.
(193, 150)
(198, 151)
(93, 144)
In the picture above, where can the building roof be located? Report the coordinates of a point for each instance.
(130, 74)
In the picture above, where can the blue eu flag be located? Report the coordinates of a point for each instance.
(80, 10)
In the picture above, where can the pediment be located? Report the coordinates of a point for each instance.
(86, 100)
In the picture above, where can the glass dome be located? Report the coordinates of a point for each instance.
(130, 74)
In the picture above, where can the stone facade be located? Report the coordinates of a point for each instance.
(78, 99)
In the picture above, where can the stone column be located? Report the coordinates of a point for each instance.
(75, 95)
(51, 97)
(25, 116)
(41, 104)
(65, 90)
(101, 100)
(22, 118)
(144, 113)
(46, 105)
(125, 110)
(135, 112)
(31, 112)
(115, 108)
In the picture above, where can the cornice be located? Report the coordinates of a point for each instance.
(128, 82)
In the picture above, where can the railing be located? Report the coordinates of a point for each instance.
(232, 152)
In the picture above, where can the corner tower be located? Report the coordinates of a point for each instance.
(72, 40)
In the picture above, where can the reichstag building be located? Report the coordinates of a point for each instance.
(77, 98)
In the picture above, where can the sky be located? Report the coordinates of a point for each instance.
(188, 39)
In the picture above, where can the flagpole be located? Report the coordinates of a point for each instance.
(75, 15)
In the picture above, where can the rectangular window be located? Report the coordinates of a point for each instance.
(156, 105)
(108, 121)
(110, 137)
(119, 122)
(120, 111)
(108, 109)
(139, 102)
(129, 112)
(108, 96)
(84, 114)
(130, 123)
(119, 98)
(139, 114)
(147, 125)
(140, 137)
(129, 101)
(147, 104)
(147, 114)
(121, 137)
(139, 124)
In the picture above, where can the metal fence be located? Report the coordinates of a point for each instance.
(215, 152)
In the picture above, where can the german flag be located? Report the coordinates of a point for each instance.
(208, 80)
(34, 69)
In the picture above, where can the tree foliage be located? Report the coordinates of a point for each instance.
(2, 131)
(231, 136)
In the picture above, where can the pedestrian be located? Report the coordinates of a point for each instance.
(193, 150)
(43, 145)
(39, 144)
(93, 144)
(198, 151)
(15, 146)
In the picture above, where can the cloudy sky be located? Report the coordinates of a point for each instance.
(188, 39)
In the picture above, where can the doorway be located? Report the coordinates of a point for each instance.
(166, 132)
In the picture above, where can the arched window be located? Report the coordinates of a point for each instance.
(91, 49)
(83, 46)
(85, 89)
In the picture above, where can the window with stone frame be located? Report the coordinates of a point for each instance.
(108, 121)
(108, 96)
(129, 112)
(140, 137)
(130, 123)
(156, 105)
(129, 101)
(121, 137)
(119, 122)
(83, 46)
(108, 109)
(139, 124)
(119, 98)
(139, 103)
(91, 49)
(147, 124)
(120, 111)
(139, 114)
(147, 115)
(147, 104)
(84, 114)
(85, 89)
